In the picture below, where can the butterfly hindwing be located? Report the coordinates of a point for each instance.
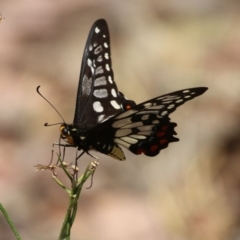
(156, 138)
(146, 127)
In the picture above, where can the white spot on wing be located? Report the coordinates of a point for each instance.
(99, 59)
(100, 93)
(121, 122)
(145, 128)
(164, 113)
(147, 112)
(89, 62)
(145, 117)
(100, 81)
(97, 30)
(119, 141)
(170, 106)
(133, 125)
(99, 70)
(101, 117)
(157, 107)
(147, 105)
(129, 140)
(110, 79)
(113, 92)
(137, 136)
(106, 55)
(97, 106)
(107, 67)
(115, 104)
(169, 97)
(90, 47)
(167, 101)
(98, 50)
(155, 122)
(179, 101)
(86, 85)
(123, 132)
(186, 91)
(105, 45)
(126, 113)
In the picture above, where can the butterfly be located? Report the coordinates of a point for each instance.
(105, 120)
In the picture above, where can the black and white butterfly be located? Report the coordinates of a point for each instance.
(105, 120)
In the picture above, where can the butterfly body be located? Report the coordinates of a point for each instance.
(104, 119)
(100, 140)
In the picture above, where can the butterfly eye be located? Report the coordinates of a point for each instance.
(64, 132)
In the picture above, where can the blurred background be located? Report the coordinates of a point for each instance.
(191, 190)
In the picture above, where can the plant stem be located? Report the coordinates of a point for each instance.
(74, 196)
(2, 209)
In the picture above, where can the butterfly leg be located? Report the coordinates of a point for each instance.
(50, 166)
(77, 157)
(60, 155)
(92, 156)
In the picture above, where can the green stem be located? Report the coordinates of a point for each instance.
(74, 196)
(10, 222)
(64, 168)
(65, 231)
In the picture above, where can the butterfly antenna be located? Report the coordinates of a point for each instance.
(46, 124)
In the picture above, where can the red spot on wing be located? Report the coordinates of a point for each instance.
(153, 144)
(140, 151)
(128, 107)
(163, 141)
(164, 128)
(160, 134)
(153, 148)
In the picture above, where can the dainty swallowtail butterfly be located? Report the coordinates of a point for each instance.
(105, 120)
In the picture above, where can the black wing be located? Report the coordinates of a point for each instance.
(146, 127)
(97, 97)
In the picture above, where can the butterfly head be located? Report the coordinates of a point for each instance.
(66, 131)
(73, 136)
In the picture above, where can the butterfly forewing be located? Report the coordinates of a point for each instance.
(98, 97)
